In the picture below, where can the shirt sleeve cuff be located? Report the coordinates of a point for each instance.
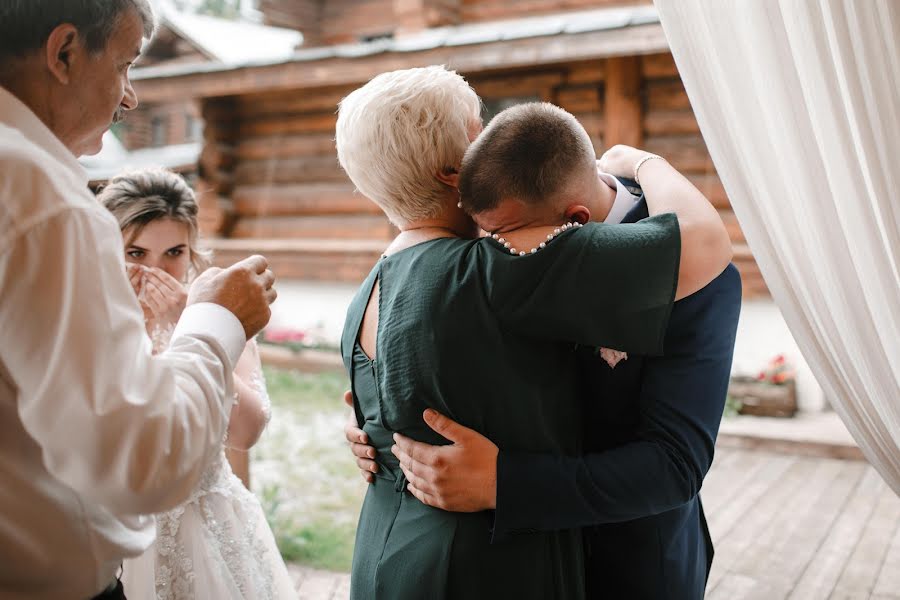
(214, 323)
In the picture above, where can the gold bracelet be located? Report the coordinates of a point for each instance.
(641, 162)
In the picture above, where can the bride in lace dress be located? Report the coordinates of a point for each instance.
(217, 545)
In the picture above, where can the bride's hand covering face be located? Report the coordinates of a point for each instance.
(161, 249)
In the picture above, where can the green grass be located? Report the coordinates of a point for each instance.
(304, 473)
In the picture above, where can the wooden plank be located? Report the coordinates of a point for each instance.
(687, 153)
(670, 122)
(302, 199)
(519, 84)
(580, 99)
(711, 186)
(666, 94)
(732, 226)
(659, 65)
(821, 574)
(292, 102)
(162, 85)
(820, 475)
(375, 227)
(734, 586)
(759, 477)
(623, 111)
(280, 145)
(589, 72)
(309, 169)
(308, 259)
(286, 124)
(862, 570)
(592, 123)
(888, 583)
(726, 481)
(782, 553)
(775, 498)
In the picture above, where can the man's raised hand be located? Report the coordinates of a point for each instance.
(244, 288)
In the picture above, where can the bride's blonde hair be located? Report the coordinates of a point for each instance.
(140, 197)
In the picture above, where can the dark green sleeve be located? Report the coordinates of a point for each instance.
(598, 285)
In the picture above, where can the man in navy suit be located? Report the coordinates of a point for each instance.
(650, 430)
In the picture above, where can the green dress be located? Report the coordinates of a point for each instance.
(488, 339)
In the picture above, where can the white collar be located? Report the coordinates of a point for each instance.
(624, 201)
(16, 114)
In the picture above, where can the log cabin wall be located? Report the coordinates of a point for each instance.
(271, 161)
(670, 129)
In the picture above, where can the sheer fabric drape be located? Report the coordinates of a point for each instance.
(799, 104)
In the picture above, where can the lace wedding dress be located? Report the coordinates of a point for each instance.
(215, 546)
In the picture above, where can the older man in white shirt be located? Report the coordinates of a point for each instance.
(94, 430)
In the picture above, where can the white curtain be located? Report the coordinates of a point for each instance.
(799, 104)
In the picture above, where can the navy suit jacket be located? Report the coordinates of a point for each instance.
(650, 430)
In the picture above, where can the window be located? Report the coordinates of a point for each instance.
(158, 135)
(193, 128)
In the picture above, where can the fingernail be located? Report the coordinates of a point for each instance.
(371, 453)
(395, 437)
(430, 413)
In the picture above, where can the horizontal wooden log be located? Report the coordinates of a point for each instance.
(711, 186)
(309, 169)
(215, 156)
(580, 99)
(308, 259)
(285, 146)
(295, 200)
(589, 72)
(670, 122)
(659, 66)
(592, 123)
(666, 94)
(527, 83)
(287, 124)
(687, 153)
(303, 101)
(373, 227)
(732, 226)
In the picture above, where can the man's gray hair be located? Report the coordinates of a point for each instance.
(25, 25)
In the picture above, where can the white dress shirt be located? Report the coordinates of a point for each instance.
(623, 203)
(94, 430)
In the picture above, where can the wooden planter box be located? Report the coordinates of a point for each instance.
(764, 399)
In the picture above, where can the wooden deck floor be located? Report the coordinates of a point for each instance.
(784, 527)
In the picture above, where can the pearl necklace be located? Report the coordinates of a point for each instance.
(540, 246)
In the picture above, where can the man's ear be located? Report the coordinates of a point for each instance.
(449, 176)
(61, 51)
(578, 213)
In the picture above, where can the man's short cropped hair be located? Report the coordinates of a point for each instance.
(531, 152)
